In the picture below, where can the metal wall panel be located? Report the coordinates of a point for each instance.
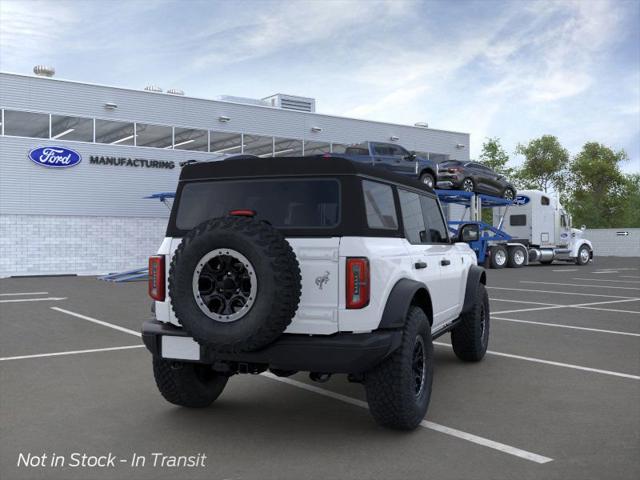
(27, 188)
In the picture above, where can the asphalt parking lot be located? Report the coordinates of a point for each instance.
(556, 397)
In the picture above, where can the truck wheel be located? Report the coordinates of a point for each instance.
(470, 337)
(584, 255)
(399, 389)
(428, 180)
(188, 384)
(498, 257)
(234, 284)
(517, 257)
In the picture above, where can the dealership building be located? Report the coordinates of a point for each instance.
(77, 160)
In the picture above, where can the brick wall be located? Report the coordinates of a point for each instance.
(45, 244)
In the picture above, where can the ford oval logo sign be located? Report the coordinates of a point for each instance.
(521, 200)
(55, 157)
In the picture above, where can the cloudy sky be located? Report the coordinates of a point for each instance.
(515, 69)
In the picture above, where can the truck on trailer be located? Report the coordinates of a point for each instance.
(540, 223)
(532, 228)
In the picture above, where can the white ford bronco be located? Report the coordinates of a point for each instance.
(310, 264)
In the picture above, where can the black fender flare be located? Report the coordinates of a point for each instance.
(401, 298)
(476, 276)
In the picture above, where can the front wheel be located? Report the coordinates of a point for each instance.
(584, 255)
(399, 389)
(468, 185)
(428, 180)
(188, 384)
(470, 337)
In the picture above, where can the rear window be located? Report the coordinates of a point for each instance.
(294, 203)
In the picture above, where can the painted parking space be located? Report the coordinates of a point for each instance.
(543, 392)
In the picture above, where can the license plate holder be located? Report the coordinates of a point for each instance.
(180, 348)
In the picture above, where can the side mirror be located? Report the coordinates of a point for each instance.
(411, 157)
(469, 233)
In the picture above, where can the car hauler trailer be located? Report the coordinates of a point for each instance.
(532, 228)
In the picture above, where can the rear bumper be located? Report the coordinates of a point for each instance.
(338, 353)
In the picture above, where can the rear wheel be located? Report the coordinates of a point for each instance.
(499, 256)
(508, 194)
(399, 389)
(517, 257)
(188, 384)
(584, 255)
(428, 180)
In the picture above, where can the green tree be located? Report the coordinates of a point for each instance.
(630, 216)
(599, 194)
(545, 164)
(495, 157)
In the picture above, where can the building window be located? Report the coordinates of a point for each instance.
(287, 147)
(225, 143)
(114, 133)
(157, 136)
(258, 145)
(71, 128)
(316, 148)
(26, 124)
(191, 139)
(338, 148)
(380, 206)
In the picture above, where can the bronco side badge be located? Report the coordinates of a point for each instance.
(322, 280)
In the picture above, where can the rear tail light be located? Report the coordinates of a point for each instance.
(454, 170)
(156, 277)
(358, 286)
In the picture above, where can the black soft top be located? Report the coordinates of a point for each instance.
(248, 167)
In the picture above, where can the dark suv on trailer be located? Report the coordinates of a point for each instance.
(474, 177)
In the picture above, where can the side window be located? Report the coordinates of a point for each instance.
(437, 231)
(544, 201)
(398, 151)
(379, 205)
(412, 217)
(518, 220)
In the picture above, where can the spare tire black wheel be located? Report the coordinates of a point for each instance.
(234, 284)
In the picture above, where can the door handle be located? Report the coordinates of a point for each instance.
(419, 265)
(445, 262)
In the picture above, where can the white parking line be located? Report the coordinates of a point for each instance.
(611, 310)
(71, 352)
(575, 305)
(23, 293)
(598, 330)
(523, 301)
(556, 364)
(629, 276)
(99, 322)
(606, 272)
(19, 300)
(580, 285)
(607, 280)
(566, 270)
(559, 293)
(533, 457)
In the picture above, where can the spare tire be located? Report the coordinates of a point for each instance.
(234, 284)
